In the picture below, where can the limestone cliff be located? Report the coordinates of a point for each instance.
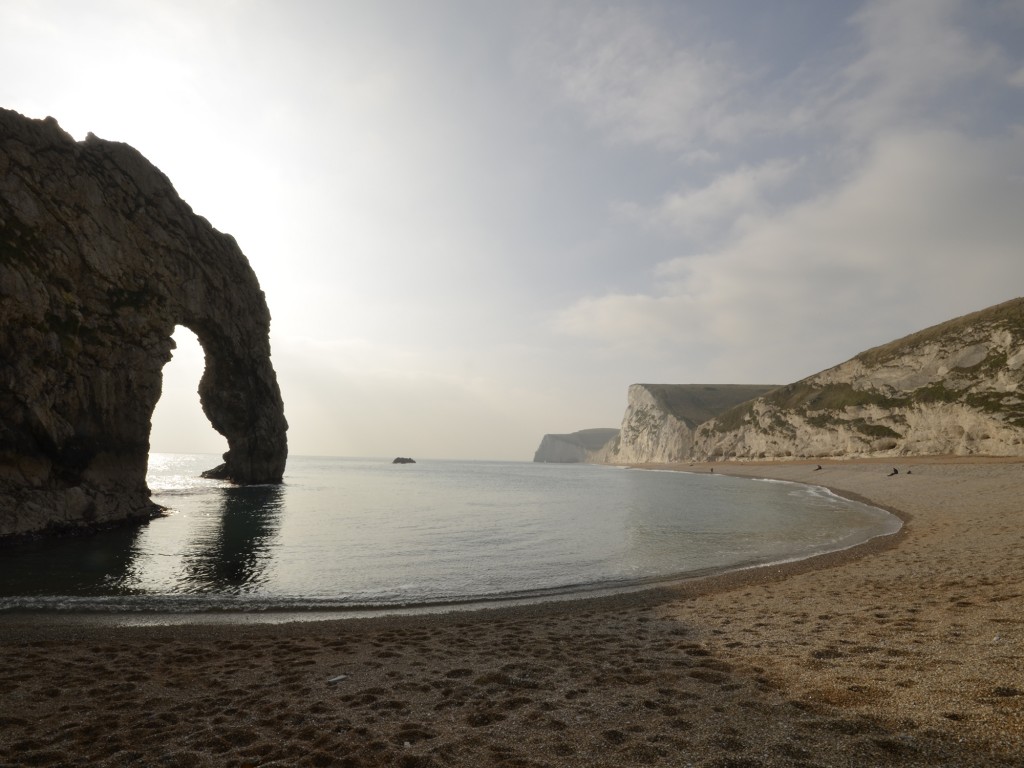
(660, 419)
(587, 445)
(956, 388)
(99, 261)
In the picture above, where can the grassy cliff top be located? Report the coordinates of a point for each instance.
(590, 439)
(1009, 315)
(813, 395)
(696, 403)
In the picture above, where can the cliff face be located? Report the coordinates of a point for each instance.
(99, 261)
(956, 388)
(660, 419)
(585, 446)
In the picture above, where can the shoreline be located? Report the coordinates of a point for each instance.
(126, 615)
(847, 658)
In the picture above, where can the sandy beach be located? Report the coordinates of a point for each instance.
(906, 651)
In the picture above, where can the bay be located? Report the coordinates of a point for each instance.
(357, 534)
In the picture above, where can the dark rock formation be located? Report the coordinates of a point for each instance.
(99, 261)
(403, 460)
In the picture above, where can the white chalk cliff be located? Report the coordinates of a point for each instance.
(956, 388)
(660, 419)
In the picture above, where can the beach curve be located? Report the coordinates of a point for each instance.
(849, 658)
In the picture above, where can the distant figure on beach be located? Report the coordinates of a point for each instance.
(817, 468)
(894, 472)
(712, 469)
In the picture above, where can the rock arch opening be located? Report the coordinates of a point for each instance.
(178, 424)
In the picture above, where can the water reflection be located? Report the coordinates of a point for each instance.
(233, 556)
(226, 547)
(82, 565)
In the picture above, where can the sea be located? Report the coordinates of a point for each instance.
(364, 536)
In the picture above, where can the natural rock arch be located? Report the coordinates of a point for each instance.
(99, 261)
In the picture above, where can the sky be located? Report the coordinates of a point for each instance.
(479, 222)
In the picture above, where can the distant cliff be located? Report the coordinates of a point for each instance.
(660, 419)
(587, 445)
(954, 388)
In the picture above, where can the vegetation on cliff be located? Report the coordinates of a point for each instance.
(955, 388)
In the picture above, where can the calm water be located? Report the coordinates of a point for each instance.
(352, 533)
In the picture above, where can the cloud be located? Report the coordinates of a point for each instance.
(730, 200)
(885, 181)
(641, 79)
(623, 318)
(636, 82)
(920, 233)
(915, 54)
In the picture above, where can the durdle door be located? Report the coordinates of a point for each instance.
(99, 261)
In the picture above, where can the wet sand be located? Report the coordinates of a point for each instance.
(906, 651)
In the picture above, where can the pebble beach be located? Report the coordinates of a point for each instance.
(908, 650)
